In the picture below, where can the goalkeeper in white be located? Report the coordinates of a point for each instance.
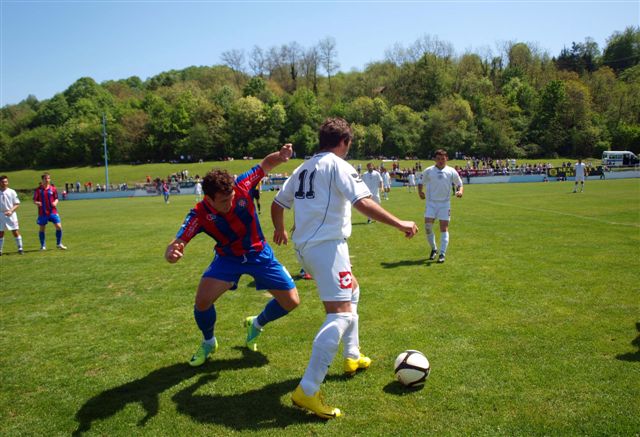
(438, 178)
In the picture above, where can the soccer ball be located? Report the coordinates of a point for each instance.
(411, 368)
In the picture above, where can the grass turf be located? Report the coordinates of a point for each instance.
(530, 325)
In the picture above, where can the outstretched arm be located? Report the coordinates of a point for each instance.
(370, 208)
(276, 158)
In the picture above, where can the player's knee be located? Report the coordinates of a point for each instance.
(291, 302)
(202, 304)
(428, 228)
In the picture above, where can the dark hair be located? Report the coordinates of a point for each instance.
(3, 177)
(441, 152)
(332, 131)
(217, 181)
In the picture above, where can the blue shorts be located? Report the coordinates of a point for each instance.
(44, 219)
(267, 271)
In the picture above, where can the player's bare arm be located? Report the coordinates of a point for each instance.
(174, 251)
(277, 217)
(459, 191)
(368, 207)
(420, 192)
(276, 158)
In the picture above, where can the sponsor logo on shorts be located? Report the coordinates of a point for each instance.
(345, 279)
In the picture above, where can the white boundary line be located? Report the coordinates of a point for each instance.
(550, 211)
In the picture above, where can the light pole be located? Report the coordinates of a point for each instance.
(106, 159)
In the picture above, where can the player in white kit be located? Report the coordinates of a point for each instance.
(386, 183)
(580, 174)
(9, 202)
(321, 192)
(438, 179)
(373, 180)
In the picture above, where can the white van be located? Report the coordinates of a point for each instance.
(613, 158)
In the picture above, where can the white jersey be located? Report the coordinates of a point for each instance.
(386, 180)
(8, 199)
(580, 169)
(321, 192)
(198, 188)
(411, 180)
(439, 181)
(372, 181)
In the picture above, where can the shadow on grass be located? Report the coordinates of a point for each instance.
(632, 356)
(395, 388)
(146, 390)
(252, 410)
(405, 263)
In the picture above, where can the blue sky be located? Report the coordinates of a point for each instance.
(47, 45)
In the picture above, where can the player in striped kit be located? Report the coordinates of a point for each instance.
(46, 198)
(228, 215)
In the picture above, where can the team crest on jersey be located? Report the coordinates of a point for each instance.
(242, 203)
(211, 217)
(356, 176)
(345, 279)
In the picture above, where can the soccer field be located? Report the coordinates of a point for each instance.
(531, 325)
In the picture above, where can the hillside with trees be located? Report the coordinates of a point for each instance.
(519, 102)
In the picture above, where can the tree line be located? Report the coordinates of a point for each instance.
(517, 102)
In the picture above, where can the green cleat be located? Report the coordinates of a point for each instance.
(202, 353)
(252, 333)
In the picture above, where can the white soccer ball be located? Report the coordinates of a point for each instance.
(411, 368)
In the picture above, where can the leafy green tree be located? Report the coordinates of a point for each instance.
(401, 128)
(424, 83)
(623, 49)
(247, 118)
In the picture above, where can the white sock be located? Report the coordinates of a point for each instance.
(211, 341)
(1, 243)
(325, 346)
(351, 338)
(19, 242)
(444, 241)
(431, 237)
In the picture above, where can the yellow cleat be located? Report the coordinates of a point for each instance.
(315, 404)
(351, 365)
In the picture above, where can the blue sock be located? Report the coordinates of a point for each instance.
(58, 236)
(41, 235)
(272, 311)
(206, 320)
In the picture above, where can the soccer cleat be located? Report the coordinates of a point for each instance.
(61, 246)
(433, 254)
(252, 333)
(441, 258)
(351, 365)
(20, 252)
(307, 276)
(202, 353)
(43, 248)
(315, 404)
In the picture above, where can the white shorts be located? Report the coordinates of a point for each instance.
(328, 262)
(580, 178)
(10, 222)
(438, 210)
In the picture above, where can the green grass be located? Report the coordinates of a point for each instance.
(25, 180)
(528, 325)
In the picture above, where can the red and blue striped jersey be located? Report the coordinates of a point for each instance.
(237, 232)
(46, 196)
